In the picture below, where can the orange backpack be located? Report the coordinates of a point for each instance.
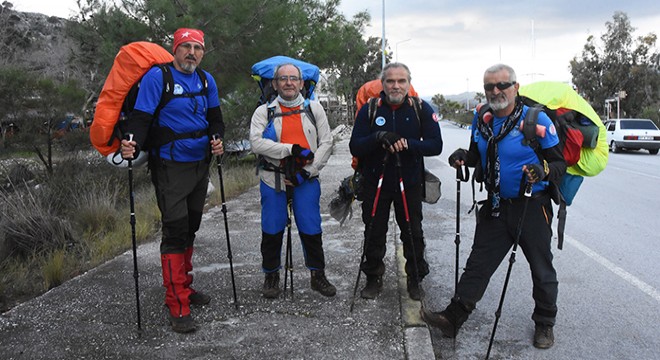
(372, 89)
(130, 64)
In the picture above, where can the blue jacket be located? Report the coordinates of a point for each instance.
(402, 121)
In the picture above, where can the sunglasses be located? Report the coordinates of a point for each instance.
(499, 85)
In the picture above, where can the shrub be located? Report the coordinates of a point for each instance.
(30, 227)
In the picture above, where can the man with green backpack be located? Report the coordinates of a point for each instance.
(518, 209)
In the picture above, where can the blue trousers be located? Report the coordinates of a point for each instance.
(306, 207)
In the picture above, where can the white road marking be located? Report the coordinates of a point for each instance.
(630, 278)
(633, 172)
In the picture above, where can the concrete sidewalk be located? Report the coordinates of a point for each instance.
(94, 315)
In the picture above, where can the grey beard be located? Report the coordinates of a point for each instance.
(500, 105)
(188, 68)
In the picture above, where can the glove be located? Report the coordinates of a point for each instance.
(387, 138)
(302, 153)
(299, 177)
(458, 155)
(537, 172)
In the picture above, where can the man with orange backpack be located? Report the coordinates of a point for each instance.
(182, 134)
(390, 150)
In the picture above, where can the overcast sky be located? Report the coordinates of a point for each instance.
(449, 44)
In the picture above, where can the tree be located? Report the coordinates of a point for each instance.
(479, 96)
(238, 33)
(446, 108)
(623, 64)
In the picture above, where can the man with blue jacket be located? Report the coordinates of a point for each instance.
(406, 131)
(499, 147)
(183, 134)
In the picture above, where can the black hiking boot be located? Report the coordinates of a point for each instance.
(183, 324)
(321, 284)
(271, 288)
(449, 320)
(544, 337)
(414, 290)
(199, 298)
(373, 287)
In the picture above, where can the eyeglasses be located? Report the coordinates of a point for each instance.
(284, 78)
(499, 85)
(188, 45)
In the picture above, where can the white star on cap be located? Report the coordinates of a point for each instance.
(185, 34)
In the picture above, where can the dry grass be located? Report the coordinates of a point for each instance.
(79, 218)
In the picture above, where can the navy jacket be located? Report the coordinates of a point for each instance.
(423, 136)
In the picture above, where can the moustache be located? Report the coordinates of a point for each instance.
(191, 57)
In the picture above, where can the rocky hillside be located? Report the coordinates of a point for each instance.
(32, 40)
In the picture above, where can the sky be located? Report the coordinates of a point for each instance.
(448, 44)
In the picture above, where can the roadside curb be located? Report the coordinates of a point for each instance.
(417, 337)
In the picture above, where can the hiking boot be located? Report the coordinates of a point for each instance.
(373, 287)
(199, 298)
(414, 290)
(183, 324)
(271, 288)
(544, 337)
(321, 284)
(449, 320)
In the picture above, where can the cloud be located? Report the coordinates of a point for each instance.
(453, 42)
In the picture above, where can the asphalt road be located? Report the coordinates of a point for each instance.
(609, 300)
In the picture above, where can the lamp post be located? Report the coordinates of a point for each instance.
(383, 37)
(396, 49)
(467, 97)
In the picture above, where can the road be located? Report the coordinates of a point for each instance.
(609, 281)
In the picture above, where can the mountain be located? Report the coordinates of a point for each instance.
(35, 42)
(459, 98)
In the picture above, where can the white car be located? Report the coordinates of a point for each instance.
(633, 134)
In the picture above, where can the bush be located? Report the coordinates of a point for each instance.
(30, 227)
(78, 217)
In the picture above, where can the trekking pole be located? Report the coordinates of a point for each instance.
(368, 231)
(512, 259)
(129, 137)
(288, 263)
(461, 176)
(219, 162)
(407, 214)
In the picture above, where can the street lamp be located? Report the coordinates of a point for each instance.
(396, 49)
(467, 101)
(383, 37)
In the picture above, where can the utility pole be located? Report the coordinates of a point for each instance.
(383, 37)
(467, 101)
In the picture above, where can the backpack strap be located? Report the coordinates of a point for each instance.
(416, 103)
(529, 131)
(373, 106)
(308, 110)
(163, 135)
(529, 127)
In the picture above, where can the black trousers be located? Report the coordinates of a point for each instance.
(413, 249)
(492, 240)
(180, 192)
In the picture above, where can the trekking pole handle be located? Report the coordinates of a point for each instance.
(216, 137)
(528, 189)
(397, 157)
(462, 173)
